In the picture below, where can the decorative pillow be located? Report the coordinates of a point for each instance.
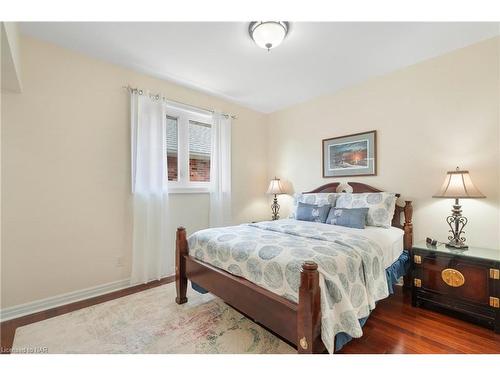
(380, 206)
(320, 199)
(312, 212)
(348, 217)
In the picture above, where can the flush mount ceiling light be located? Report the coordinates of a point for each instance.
(268, 34)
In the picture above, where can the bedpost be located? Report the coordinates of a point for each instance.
(309, 310)
(408, 226)
(408, 240)
(181, 250)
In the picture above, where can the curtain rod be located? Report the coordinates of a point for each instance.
(157, 96)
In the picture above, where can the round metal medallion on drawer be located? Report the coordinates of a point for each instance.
(452, 277)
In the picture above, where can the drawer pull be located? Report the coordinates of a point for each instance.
(417, 283)
(494, 302)
(417, 259)
(494, 274)
(453, 277)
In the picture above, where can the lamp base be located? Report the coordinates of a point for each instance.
(275, 209)
(453, 245)
(457, 222)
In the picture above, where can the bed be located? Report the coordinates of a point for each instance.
(313, 284)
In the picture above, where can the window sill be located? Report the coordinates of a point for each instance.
(189, 190)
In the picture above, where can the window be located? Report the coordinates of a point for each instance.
(189, 146)
(200, 147)
(172, 149)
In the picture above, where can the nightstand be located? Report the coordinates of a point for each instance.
(463, 283)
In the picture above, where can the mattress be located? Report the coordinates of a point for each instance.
(391, 240)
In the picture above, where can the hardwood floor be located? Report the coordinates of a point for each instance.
(397, 327)
(394, 327)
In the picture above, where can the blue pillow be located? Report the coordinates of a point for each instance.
(312, 212)
(348, 217)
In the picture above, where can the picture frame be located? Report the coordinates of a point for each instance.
(350, 155)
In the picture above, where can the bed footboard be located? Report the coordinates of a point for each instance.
(299, 324)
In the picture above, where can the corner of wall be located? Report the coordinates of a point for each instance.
(11, 62)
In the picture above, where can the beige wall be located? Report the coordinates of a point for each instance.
(66, 203)
(66, 173)
(429, 118)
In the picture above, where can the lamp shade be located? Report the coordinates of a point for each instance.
(275, 187)
(458, 184)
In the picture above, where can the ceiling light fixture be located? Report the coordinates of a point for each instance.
(268, 34)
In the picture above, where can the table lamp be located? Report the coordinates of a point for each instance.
(457, 185)
(275, 188)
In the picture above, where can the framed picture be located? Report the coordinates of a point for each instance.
(350, 155)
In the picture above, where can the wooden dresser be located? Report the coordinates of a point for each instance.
(465, 283)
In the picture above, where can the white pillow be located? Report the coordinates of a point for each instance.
(320, 199)
(380, 206)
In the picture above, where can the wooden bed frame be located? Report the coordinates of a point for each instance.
(298, 323)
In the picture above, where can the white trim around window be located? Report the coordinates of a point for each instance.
(184, 117)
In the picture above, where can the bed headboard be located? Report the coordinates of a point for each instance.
(398, 221)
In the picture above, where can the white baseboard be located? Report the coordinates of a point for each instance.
(61, 299)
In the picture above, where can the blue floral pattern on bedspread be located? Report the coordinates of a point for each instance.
(270, 254)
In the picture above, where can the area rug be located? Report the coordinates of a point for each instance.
(151, 322)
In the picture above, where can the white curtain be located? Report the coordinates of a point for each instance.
(220, 172)
(149, 188)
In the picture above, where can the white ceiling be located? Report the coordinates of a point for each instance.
(220, 58)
